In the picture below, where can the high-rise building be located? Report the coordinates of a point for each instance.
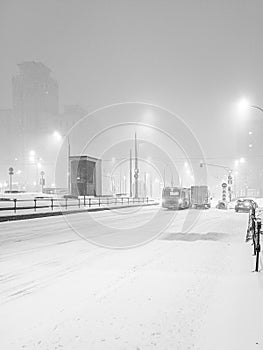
(71, 115)
(35, 98)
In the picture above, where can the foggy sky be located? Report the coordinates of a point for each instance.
(196, 58)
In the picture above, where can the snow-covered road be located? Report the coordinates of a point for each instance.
(193, 290)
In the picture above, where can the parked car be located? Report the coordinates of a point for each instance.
(244, 205)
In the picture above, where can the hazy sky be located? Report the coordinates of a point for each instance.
(196, 58)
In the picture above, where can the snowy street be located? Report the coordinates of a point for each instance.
(194, 290)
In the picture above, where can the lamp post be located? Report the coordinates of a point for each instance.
(42, 180)
(243, 106)
(136, 170)
(69, 177)
(130, 173)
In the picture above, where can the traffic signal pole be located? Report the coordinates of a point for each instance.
(229, 179)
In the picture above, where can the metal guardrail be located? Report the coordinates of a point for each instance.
(66, 203)
(253, 233)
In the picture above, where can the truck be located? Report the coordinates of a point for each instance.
(176, 198)
(200, 197)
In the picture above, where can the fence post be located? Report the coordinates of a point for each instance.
(147, 199)
(52, 203)
(66, 203)
(258, 245)
(84, 200)
(99, 201)
(79, 202)
(89, 202)
(35, 204)
(15, 205)
(253, 219)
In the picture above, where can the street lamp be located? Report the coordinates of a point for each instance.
(57, 135)
(42, 180)
(244, 105)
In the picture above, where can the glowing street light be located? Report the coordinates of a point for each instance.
(241, 160)
(57, 135)
(243, 105)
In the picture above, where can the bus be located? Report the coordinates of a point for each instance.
(176, 198)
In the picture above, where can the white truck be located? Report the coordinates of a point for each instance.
(200, 197)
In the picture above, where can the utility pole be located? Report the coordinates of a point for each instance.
(130, 173)
(69, 177)
(42, 181)
(120, 179)
(145, 185)
(136, 170)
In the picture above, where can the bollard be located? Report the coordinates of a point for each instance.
(35, 204)
(84, 200)
(79, 202)
(15, 205)
(99, 202)
(52, 203)
(89, 202)
(258, 245)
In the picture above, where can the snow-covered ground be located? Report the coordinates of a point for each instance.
(24, 195)
(184, 290)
